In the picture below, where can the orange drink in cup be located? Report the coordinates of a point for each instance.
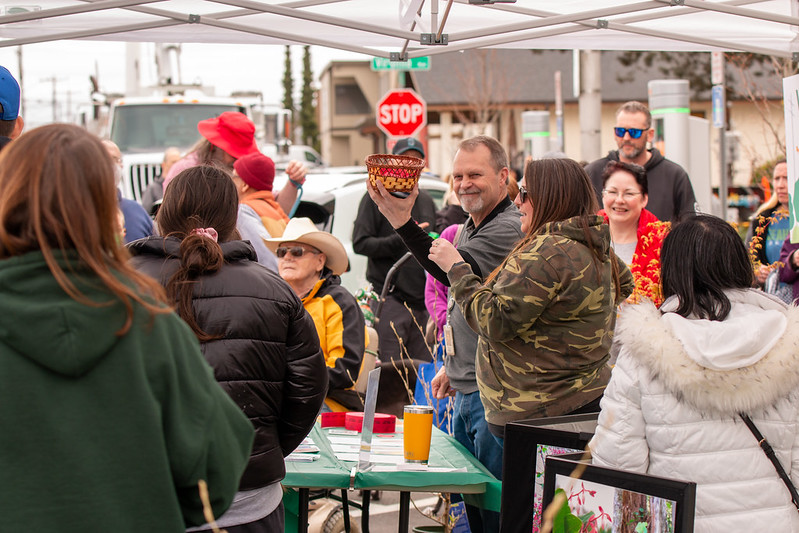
(418, 427)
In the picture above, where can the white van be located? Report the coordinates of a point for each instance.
(144, 127)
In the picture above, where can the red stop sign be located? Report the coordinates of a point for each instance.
(401, 113)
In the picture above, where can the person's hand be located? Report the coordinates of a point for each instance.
(296, 172)
(762, 273)
(444, 254)
(439, 386)
(793, 260)
(396, 210)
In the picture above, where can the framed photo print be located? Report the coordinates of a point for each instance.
(527, 444)
(605, 500)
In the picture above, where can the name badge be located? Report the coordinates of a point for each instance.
(449, 342)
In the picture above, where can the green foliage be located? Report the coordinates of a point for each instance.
(310, 127)
(683, 65)
(695, 67)
(565, 521)
(288, 86)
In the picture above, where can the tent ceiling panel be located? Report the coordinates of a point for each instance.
(379, 27)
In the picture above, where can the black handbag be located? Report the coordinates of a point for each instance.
(772, 456)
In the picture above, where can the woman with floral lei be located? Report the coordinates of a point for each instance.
(770, 226)
(636, 234)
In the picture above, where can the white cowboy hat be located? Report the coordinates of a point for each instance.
(303, 230)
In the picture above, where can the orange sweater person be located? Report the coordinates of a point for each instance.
(253, 176)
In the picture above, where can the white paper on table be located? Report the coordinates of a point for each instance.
(413, 467)
(345, 448)
(376, 458)
(345, 439)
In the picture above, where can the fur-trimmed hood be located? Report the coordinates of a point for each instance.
(745, 363)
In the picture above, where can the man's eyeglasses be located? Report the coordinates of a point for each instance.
(635, 133)
(295, 251)
(612, 194)
(523, 194)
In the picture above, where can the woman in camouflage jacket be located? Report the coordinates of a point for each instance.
(545, 317)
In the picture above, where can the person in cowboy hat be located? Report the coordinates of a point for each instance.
(226, 139)
(311, 261)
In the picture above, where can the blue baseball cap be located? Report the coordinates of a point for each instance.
(408, 143)
(9, 95)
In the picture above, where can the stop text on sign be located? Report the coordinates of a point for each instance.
(401, 113)
(404, 113)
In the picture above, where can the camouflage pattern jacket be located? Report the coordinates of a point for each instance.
(545, 322)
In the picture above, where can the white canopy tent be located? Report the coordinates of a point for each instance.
(383, 27)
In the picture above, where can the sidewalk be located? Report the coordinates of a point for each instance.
(384, 513)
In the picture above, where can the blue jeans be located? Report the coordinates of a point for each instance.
(471, 430)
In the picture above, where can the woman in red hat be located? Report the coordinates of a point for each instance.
(227, 138)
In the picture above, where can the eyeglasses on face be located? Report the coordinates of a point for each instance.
(523, 194)
(612, 194)
(635, 133)
(295, 251)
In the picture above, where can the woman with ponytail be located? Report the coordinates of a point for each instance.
(545, 316)
(254, 331)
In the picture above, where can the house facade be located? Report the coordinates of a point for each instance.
(486, 91)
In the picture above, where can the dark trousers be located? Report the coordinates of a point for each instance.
(408, 326)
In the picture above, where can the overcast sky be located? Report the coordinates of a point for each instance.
(226, 67)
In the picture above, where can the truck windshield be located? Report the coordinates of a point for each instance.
(155, 127)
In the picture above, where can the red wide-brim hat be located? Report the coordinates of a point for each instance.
(231, 131)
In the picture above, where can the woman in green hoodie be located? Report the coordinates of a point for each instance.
(545, 316)
(109, 416)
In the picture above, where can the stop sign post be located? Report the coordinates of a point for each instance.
(401, 113)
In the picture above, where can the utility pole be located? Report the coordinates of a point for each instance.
(21, 84)
(53, 80)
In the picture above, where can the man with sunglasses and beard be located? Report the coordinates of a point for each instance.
(671, 196)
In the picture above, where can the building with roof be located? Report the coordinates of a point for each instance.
(485, 91)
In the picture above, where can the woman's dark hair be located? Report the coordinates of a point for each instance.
(703, 256)
(199, 197)
(59, 197)
(559, 188)
(638, 172)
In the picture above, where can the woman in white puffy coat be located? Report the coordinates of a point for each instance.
(714, 349)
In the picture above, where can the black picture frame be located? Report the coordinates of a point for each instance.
(682, 493)
(521, 443)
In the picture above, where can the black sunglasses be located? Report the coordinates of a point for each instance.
(635, 133)
(296, 251)
(523, 194)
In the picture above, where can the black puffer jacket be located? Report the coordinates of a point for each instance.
(268, 359)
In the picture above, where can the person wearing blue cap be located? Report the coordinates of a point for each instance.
(373, 236)
(10, 122)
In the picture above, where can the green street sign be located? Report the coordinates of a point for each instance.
(415, 63)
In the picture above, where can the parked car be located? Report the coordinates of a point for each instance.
(331, 200)
(299, 152)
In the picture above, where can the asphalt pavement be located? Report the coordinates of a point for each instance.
(384, 512)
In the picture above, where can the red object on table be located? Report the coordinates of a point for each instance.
(383, 423)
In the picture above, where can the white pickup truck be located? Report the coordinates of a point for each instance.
(143, 127)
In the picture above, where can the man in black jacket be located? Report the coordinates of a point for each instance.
(375, 238)
(670, 193)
